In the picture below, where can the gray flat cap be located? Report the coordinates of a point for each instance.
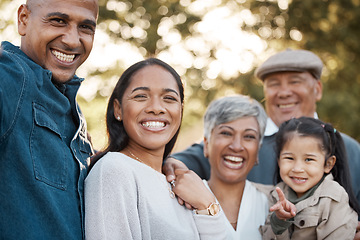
(291, 61)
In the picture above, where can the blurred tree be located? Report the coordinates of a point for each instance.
(159, 27)
(216, 44)
(330, 29)
(8, 21)
(179, 32)
(145, 22)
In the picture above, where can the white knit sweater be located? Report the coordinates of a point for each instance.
(125, 199)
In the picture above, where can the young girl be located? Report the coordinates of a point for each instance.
(313, 198)
(126, 195)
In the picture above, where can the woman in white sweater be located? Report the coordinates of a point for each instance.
(126, 195)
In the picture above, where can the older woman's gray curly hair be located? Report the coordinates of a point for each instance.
(231, 108)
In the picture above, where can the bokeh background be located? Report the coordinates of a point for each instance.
(215, 45)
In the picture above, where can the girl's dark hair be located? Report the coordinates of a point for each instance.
(332, 144)
(118, 138)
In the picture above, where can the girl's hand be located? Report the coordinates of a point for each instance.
(283, 209)
(191, 190)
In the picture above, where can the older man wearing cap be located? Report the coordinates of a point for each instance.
(292, 87)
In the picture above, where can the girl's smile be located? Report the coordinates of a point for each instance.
(302, 163)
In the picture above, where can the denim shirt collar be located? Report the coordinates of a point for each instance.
(16, 49)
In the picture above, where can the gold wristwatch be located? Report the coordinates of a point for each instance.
(212, 210)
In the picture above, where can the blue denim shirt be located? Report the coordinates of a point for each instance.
(44, 152)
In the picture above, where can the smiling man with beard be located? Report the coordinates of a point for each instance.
(43, 139)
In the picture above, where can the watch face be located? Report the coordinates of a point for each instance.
(214, 209)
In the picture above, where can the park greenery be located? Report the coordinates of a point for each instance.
(205, 41)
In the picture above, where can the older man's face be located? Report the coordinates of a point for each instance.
(291, 94)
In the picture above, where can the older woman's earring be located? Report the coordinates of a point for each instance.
(118, 118)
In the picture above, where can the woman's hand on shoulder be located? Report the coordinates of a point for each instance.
(191, 190)
(170, 165)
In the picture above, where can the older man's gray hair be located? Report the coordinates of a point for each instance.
(228, 109)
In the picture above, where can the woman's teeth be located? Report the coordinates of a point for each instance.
(233, 162)
(153, 124)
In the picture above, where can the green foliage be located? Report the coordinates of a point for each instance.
(138, 21)
(328, 28)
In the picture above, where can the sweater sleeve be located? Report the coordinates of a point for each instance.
(267, 230)
(279, 226)
(211, 227)
(110, 203)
